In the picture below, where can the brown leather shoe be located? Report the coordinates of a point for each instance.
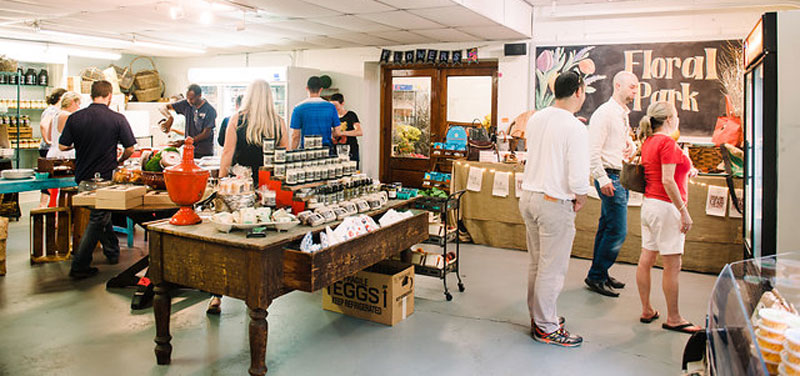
(214, 306)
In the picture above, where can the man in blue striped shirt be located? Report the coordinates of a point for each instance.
(314, 117)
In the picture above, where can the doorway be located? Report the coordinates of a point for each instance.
(419, 103)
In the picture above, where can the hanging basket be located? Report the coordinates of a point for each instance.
(146, 79)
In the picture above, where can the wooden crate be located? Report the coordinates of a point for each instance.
(313, 271)
(50, 230)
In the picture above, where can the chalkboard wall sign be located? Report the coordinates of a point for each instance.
(685, 73)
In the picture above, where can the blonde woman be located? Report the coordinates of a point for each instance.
(70, 102)
(46, 120)
(665, 217)
(255, 121)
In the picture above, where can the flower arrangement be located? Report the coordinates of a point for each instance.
(405, 139)
(551, 63)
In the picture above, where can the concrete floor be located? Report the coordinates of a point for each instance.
(50, 325)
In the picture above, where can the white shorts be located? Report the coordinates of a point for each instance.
(661, 227)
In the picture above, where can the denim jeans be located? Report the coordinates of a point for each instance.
(99, 229)
(611, 229)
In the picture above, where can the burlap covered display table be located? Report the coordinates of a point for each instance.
(495, 221)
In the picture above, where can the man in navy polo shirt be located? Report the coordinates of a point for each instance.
(94, 132)
(314, 117)
(200, 120)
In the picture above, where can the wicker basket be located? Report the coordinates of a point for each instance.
(146, 79)
(92, 74)
(149, 95)
(124, 76)
(705, 158)
(86, 86)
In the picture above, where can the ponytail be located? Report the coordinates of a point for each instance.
(657, 114)
(645, 127)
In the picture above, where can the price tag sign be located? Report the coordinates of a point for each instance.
(732, 209)
(717, 201)
(518, 184)
(500, 186)
(475, 179)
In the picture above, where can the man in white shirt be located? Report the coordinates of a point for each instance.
(555, 185)
(610, 143)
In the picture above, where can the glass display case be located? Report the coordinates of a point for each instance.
(732, 346)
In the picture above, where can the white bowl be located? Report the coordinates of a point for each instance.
(15, 174)
(221, 227)
(285, 226)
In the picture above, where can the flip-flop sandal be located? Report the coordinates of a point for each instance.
(683, 328)
(650, 319)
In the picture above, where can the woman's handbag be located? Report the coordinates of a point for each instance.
(632, 175)
(474, 148)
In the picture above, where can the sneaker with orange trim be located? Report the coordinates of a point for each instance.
(560, 337)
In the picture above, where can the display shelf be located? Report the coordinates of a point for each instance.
(440, 240)
(429, 271)
(427, 183)
(443, 206)
(25, 86)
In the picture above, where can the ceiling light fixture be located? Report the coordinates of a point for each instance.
(121, 43)
(92, 54)
(220, 6)
(206, 18)
(175, 12)
(168, 47)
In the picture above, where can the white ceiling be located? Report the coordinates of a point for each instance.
(266, 25)
(250, 25)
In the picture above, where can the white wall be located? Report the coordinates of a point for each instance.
(356, 74)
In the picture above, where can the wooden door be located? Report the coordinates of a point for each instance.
(410, 123)
(414, 114)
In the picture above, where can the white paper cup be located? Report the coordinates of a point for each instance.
(793, 339)
(789, 356)
(778, 319)
(768, 343)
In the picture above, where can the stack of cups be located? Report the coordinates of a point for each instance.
(790, 356)
(771, 335)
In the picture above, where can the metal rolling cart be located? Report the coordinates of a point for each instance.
(443, 206)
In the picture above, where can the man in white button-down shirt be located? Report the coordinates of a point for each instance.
(610, 143)
(554, 188)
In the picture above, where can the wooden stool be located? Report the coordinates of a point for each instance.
(50, 230)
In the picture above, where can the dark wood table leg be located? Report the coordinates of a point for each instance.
(259, 329)
(162, 309)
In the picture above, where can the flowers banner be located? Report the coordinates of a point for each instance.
(688, 74)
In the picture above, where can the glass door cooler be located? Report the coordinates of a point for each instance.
(772, 135)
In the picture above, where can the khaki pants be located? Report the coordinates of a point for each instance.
(550, 231)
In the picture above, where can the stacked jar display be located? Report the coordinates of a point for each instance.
(311, 164)
(344, 190)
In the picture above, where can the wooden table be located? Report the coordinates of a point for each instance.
(259, 270)
(496, 221)
(33, 184)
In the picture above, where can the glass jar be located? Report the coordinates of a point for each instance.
(339, 171)
(331, 172)
(280, 155)
(268, 145)
(279, 170)
(323, 172)
(291, 177)
(301, 176)
(268, 159)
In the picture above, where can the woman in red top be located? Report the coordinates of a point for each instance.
(665, 218)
